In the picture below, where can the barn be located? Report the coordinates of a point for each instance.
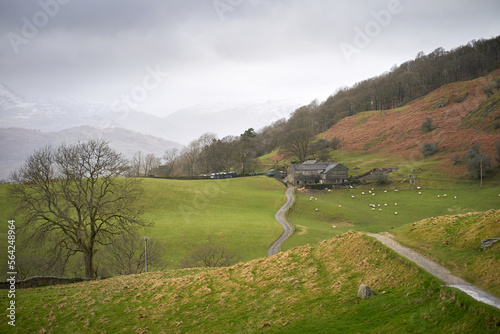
(316, 172)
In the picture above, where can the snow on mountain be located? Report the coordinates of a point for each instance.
(224, 119)
(182, 126)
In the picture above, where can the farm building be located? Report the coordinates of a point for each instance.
(316, 172)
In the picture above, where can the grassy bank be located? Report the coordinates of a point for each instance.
(311, 289)
(454, 242)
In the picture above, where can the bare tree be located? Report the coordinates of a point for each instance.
(76, 196)
(170, 156)
(137, 164)
(210, 256)
(151, 162)
(127, 255)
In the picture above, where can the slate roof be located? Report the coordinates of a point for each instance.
(324, 167)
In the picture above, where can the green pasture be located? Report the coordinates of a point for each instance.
(338, 208)
(235, 213)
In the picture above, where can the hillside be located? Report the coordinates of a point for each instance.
(461, 112)
(310, 289)
(18, 144)
(455, 241)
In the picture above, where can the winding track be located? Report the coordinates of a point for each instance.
(287, 229)
(439, 271)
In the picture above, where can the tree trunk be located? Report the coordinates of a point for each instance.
(88, 258)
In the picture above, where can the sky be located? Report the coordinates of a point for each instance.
(159, 56)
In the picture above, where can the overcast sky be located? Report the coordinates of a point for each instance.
(169, 54)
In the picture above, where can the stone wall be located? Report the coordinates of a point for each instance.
(34, 282)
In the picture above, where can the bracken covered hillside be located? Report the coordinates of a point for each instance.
(463, 113)
(310, 289)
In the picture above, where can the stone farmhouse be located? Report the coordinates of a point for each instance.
(316, 172)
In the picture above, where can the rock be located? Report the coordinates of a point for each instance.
(488, 242)
(365, 292)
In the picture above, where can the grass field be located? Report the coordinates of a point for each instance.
(311, 289)
(340, 209)
(235, 213)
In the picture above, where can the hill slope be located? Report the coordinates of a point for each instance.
(305, 290)
(454, 241)
(461, 112)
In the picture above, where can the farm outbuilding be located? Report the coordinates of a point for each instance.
(316, 172)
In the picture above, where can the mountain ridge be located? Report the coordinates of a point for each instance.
(18, 144)
(182, 126)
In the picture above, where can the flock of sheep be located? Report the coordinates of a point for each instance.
(379, 206)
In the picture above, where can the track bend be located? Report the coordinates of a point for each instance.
(280, 217)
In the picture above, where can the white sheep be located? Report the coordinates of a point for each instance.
(396, 213)
(352, 196)
(445, 195)
(373, 194)
(439, 196)
(317, 209)
(385, 204)
(395, 203)
(420, 193)
(362, 193)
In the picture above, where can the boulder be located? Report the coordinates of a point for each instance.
(365, 292)
(488, 242)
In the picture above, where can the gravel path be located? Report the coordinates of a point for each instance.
(287, 229)
(439, 271)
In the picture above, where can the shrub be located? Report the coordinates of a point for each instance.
(429, 149)
(381, 178)
(427, 125)
(478, 163)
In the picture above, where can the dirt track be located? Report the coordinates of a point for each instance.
(439, 271)
(287, 229)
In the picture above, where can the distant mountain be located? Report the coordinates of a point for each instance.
(224, 119)
(182, 126)
(17, 144)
